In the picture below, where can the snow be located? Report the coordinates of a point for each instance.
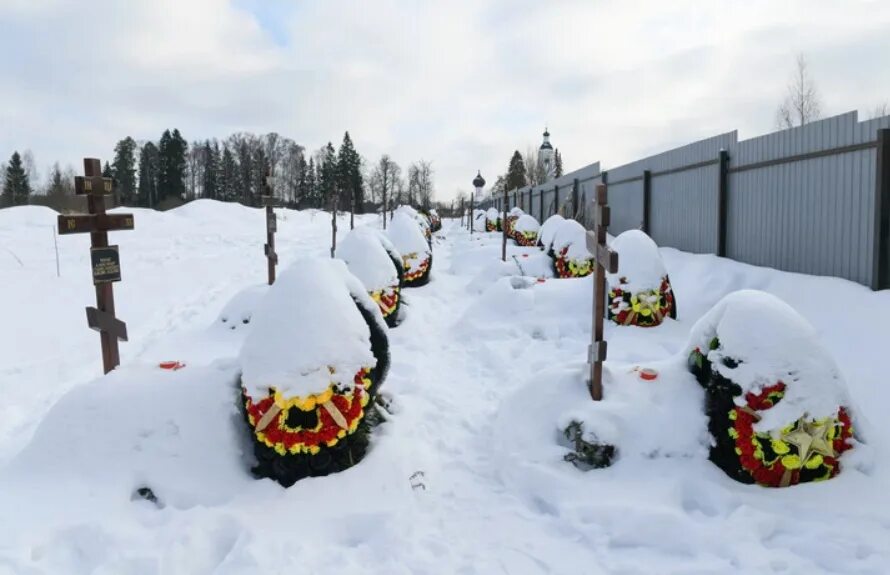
(306, 324)
(485, 371)
(773, 343)
(526, 223)
(367, 259)
(492, 215)
(548, 230)
(415, 215)
(515, 211)
(407, 236)
(570, 234)
(638, 262)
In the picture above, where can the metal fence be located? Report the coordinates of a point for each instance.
(813, 199)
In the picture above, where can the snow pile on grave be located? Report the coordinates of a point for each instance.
(394, 255)
(173, 435)
(571, 258)
(513, 215)
(315, 358)
(778, 407)
(640, 293)
(525, 230)
(417, 256)
(419, 218)
(435, 220)
(492, 220)
(548, 231)
(479, 217)
(369, 261)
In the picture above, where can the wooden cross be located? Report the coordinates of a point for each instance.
(333, 225)
(604, 260)
(271, 228)
(504, 229)
(105, 258)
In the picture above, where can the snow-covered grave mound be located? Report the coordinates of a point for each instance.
(640, 293)
(369, 261)
(435, 220)
(139, 432)
(571, 258)
(419, 218)
(548, 231)
(778, 408)
(525, 230)
(513, 215)
(394, 255)
(417, 255)
(492, 220)
(311, 366)
(479, 219)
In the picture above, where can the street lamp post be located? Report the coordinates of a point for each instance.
(478, 183)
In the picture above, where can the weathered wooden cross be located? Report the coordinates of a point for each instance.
(105, 258)
(504, 230)
(605, 260)
(271, 228)
(333, 225)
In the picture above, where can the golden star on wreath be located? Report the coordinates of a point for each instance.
(810, 438)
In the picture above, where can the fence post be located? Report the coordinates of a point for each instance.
(722, 184)
(647, 202)
(555, 199)
(575, 198)
(881, 273)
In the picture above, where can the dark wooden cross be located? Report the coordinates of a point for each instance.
(105, 258)
(333, 225)
(504, 230)
(271, 228)
(604, 260)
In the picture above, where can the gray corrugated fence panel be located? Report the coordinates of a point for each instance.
(588, 173)
(587, 196)
(814, 216)
(626, 205)
(683, 209)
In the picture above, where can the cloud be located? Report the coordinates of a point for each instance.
(461, 83)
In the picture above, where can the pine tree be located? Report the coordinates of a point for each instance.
(516, 173)
(210, 183)
(557, 164)
(124, 170)
(309, 196)
(16, 186)
(349, 176)
(327, 177)
(261, 168)
(56, 188)
(229, 181)
(149, 171)
(172, 150)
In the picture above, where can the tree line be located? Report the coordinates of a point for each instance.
(528, 170)
(170, 172)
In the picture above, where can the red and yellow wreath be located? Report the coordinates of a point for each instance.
(526, 239)
(306, 424)
(387, 299)
(806, 450)
(571, 268)
(646, 308)
(415, 271)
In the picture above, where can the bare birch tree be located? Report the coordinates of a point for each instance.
(802, 104)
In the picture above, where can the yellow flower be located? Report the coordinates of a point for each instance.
(791, 462)
(814, 462)
(779, 446)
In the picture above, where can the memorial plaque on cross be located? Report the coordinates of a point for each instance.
(604, 260)
(104, 259)
(271, 228)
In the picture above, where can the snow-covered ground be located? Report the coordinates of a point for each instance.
(466, 477)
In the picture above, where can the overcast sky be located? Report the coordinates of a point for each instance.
(460, 82)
